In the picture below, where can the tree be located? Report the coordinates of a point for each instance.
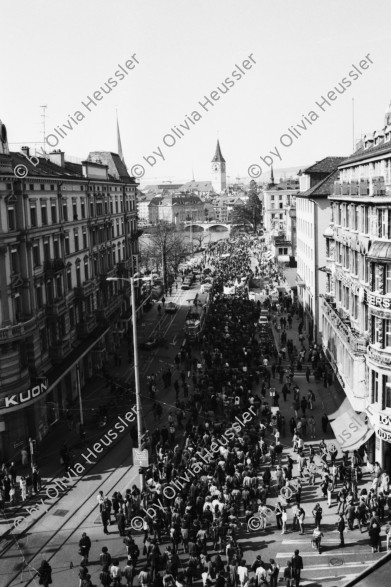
(251, 212)
(165, 247)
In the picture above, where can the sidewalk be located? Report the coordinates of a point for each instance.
(96, 392)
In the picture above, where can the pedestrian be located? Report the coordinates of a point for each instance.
(105, 518)
(121, 523)
(23, 487)
(307, 375)
(45, 574)
(163, 301)
(115, 573)
(159, 309)
(297, 566)
(284, 520)
(288, 574)
(25, 457)
(104, 576)
(243, 573)
(84, 548)
(273, 572)
(341, 530)
(325, 422)
(105, 557)
(128, 572)
(374, 536)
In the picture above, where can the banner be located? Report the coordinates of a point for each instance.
(229, 291)
(351, 429)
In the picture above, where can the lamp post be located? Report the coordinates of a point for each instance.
(135, 355)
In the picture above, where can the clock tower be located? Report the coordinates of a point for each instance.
(219, 177)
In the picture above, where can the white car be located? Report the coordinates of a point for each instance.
(263, 320)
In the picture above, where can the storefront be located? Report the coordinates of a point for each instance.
(30, 412)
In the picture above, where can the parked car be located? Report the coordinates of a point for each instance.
(263, 320)
(187, 283)
(170, 308)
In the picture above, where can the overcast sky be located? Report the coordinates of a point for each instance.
(59, 53)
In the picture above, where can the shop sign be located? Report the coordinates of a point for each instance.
(16, 399)
(383, 434)
(385, 420)
(378, 301)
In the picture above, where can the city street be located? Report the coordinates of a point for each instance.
(56, 534)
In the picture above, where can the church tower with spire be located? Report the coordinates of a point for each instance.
(219, 176)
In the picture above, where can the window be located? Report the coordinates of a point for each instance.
(14, 261)
(74, 210)
(38, 295)
(54, 212)
(65, 212)
(46, 250)
(83, 208)
(36, 257)
(32, 187)
(78, 275)
(281, 205)
(387, 333)
(386, 392)
(91, 209)
(76, 237)
(11, 218)
(365, 220)
(382, 226)
(33, 215)
(375, 387)
(56, 247)
(69, 278)
(72, 318)
(86, 270)
(44, 214)
(85, 244)
(67, 247)
(59, 285)
(387, 278)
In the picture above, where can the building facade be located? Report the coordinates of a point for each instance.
(64, 228)
(357, 307)
(313, 216)
(176, 209)
(278, 222)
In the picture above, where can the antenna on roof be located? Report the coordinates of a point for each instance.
(43, 116)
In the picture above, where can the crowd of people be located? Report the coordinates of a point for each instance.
(199, 501)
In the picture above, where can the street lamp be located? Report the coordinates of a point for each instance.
(135, 355)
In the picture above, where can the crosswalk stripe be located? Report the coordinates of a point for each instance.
(325, 567)
(310, 582)
(307, 540)
(313, 553)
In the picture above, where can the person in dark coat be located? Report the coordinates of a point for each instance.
(121, 522)
(85, 547)
(104, 516)
(325, 422)
(45, 574)
(297, 566)
(374, 536)
(341, 528)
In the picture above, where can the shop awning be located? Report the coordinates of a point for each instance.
(351, 429)
(379, 251)
(283, 258)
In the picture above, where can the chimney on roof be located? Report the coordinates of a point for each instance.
(57, 157)
(26, 151)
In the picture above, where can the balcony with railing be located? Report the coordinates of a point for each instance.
(85, 290)
(374, 186)
(56, 308)
(18, 330)
(342, 323)
(54, 265)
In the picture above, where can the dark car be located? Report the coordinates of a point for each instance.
(170, 308)
(187, 282)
